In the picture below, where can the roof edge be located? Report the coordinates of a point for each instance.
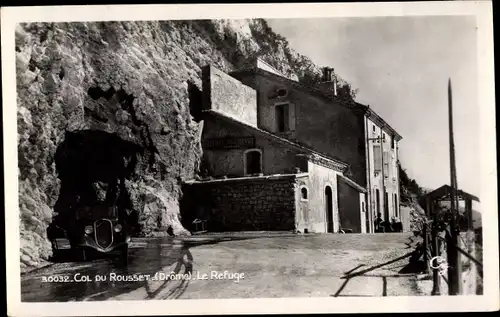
(447, 187)
(352, 183)
(369, 112)
(247, 178)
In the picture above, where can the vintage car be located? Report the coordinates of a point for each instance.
(97, 228)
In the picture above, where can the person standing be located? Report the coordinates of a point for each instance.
(379, 223)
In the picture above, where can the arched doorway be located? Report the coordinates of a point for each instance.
(329, 209)
(253, 162)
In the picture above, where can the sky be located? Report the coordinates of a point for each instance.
(401, 67)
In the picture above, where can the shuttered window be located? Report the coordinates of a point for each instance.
(377, 158)
(395, 169)
(386, 163)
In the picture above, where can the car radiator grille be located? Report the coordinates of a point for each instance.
(103, 232)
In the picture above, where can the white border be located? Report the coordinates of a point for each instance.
(481, 9)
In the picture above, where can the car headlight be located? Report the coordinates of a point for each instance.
(118, 228)
(89, 229)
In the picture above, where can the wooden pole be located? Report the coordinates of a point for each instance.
(468, 212)
(454, 265)
(428, 206)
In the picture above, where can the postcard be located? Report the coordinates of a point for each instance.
(250, 158)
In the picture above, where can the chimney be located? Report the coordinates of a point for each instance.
(327, 74)
(328, 83)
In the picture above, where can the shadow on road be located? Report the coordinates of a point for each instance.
(170, 259)
(409, 244)
(354, 273)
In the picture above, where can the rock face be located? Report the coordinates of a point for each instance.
(136, 83)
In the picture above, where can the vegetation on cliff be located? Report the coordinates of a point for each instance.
(409, 187)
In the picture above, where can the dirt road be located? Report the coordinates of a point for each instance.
(235, 266)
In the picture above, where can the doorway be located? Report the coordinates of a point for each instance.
(253, 162)
(386, 207)
(329, 209)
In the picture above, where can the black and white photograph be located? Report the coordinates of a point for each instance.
(227, 154)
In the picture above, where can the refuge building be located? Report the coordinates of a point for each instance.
(280, 155)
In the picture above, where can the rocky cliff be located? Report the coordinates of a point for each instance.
(104, 113)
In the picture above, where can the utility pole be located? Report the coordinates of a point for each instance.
(454, 264)
(436, 278)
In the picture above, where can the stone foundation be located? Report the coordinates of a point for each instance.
(242, 204)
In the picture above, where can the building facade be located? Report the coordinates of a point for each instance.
(258, 177)
(382, 168)
(336, 126)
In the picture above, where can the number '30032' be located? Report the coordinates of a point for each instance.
(56, 279)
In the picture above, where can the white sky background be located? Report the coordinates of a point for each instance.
(401, 66)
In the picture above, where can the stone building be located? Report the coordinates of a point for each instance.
(322, 119)
(285, 156)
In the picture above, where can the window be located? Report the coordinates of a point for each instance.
(377, 197)
(281, 114)
(253, 162)
(303, 193)
(281, 92)
(373, 128)
(393, 143)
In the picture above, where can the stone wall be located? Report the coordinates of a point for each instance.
(229, 96)
(244, 204)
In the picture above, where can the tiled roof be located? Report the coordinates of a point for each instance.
(445, 190)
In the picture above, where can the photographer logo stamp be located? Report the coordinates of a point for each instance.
(439, 263)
